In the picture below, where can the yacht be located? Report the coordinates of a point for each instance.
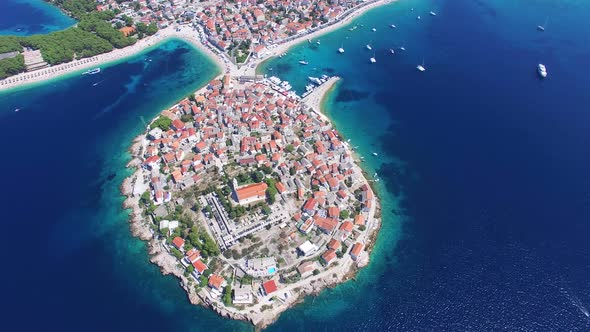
(374, 30)
(369, 47)
(303, 62)
(392, 26)
(392, 51)
(372, 59)
(92, 71)
(421, 67)
(375, 154)
(315, 80)
(542, 70)
(432, 13)
(317, 42)
(340, 50)
(402, 48)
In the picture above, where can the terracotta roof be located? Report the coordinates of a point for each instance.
(356, 249)
(269, 286)
(251, 190)
(215, 281)
(199, 266)
(178, 242)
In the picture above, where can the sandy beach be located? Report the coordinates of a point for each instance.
(76, 66)
(186, 33)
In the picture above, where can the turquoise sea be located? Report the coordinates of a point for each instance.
(483, 173)
(30, 17)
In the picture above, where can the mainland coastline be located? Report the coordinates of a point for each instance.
(192, 36)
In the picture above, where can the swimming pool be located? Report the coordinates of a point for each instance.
(271, 270)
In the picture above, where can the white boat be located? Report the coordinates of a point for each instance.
(392, 51)
(375, 154)
(303, 62)
(369, 47)
(372, 59)
(402, 48)
(421, 67)
(340, 50)
(317, 42)
(315, 80)
(432, 13)
(17, 109)
(374, 29)
(309, 40)
(393, 26)
(542, 70)
(418, 18)
(92, 71)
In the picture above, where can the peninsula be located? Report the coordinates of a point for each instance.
(251, 198)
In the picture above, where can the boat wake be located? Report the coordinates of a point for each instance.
(576, 302)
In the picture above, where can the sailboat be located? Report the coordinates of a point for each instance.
(317, 42)
(372, 59)
(369, 47)
(341, 49)
(303, 62)
(432, 13)
(392, 26)
(374, 29)
(421, 67)
(542, 70)
(392, 51)
(542, 27)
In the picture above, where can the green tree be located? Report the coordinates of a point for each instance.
(152, 29)
(162, 122)
(141, 27)
(289, 148)
(227, 295)
(344, 214)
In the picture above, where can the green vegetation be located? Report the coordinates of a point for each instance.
(316, 272)
(271, 191)
(344, 214)
(227, 295)
(290, 148)
(12, 66)
(93, 35)
(199, 238)
(161, 122)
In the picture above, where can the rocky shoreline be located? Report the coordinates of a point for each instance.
(169, 265)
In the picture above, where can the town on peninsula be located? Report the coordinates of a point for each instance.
(244, 190)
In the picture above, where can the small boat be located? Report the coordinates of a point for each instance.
(374, 30)
(421, 67)
(372, 59)
(432, 13)
(309, 40)
(303, 62)
(402, 48)
(375, 154)
(369, 47)
(392, 51)
(17, 109)
(418, 18)
(317, 42)
(340, 50)
(92, 71)
(392, 26)
(542, 70)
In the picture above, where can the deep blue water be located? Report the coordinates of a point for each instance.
(484, 178)
(29, 17)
